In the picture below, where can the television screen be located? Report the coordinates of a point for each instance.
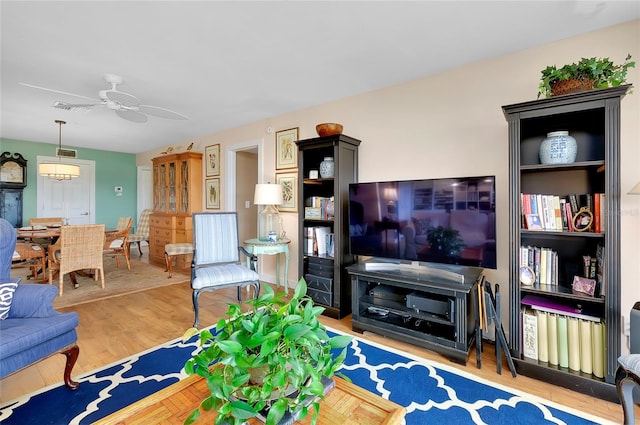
(448, 220)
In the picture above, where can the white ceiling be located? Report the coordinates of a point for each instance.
(225, 64)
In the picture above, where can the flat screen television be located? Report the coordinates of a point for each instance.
(445, 220)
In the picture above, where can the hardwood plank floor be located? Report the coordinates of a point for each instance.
(119, 327)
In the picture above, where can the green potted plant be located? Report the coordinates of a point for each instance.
(281, 340)
(587, 74)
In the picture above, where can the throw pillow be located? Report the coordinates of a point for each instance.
(421, 225)
(6, 296)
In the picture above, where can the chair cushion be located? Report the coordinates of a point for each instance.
(630, 362)
(178, 248)
(7, 290)
(225, 274)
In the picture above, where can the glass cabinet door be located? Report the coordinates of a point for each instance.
(172, 187)
(184, 186)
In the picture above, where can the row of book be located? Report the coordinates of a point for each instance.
(567, 339)
(319, 208)
(543, 261)
(319, 240)
(576, 344)
(571, 213)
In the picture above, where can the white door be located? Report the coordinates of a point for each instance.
(73, 199)
(145, 188)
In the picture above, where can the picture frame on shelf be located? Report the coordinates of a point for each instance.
(212, 160)
(286, 149)
(289, 183)
(212, 193)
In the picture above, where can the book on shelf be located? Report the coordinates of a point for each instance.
(555, 213)
(529, 334)
(563, 341)
(543, 261)
(586, 358)
(543, 336)
(573, 332)
(552, 335)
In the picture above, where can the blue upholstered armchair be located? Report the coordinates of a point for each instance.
(216, 257)
(31, 329)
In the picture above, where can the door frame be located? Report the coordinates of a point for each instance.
(230, 169)
(85, 164)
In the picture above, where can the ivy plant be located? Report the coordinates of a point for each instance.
(283, 340)
(602, 71)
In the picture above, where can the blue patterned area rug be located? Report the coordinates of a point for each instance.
(431, 392)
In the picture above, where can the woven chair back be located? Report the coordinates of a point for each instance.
(81, 247)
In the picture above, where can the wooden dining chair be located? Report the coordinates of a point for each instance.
(45, 221)
(78, 248)
(116, 242)
(31, 255)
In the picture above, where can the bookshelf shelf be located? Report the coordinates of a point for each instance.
(593, 118)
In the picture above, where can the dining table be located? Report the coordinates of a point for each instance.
(52, 233)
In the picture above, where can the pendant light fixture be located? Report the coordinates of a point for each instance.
(58, 170)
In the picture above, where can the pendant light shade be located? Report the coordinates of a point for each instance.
(58, 170)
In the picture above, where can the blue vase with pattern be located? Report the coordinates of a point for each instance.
(558, 148)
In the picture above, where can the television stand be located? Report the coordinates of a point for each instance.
(427, 305)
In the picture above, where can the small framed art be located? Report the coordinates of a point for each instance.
(289, 183)
(212, 192)
(212, 159)
(286, 149)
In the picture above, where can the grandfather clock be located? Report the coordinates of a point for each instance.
(13, 180)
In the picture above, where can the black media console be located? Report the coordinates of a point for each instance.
(429, 305)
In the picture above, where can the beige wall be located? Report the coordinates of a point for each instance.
(451, 124)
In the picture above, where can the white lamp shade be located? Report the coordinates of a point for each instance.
(635, 190)
(59, 171)
(268, 194)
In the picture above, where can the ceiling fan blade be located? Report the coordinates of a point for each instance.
(74, 106)
(124, 99)
(157, 111)
(130, 115)
(58, 91)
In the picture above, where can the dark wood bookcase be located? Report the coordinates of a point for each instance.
(593, 118)
(327, 278)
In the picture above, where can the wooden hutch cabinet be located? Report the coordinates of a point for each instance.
(177, 192)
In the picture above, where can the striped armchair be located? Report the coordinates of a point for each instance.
(142, 230)
(216, 257)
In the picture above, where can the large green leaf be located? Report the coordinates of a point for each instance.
(230, 347)
(242, 410)
(295, 331)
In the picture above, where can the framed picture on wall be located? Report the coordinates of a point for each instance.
(212, 192)
(286, 149)
(289, 183)
(212, 160)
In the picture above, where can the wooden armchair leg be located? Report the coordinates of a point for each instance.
(72, 356)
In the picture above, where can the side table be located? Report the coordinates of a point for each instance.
(256, 246)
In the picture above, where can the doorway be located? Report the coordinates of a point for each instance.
(244, 166)
(73, 199)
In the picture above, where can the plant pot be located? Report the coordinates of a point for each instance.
(576, 85)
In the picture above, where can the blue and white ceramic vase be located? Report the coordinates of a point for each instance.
(558, 148)
(327, 167)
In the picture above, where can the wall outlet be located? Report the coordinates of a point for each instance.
(247, 204)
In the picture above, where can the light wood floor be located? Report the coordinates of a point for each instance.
(118, 327)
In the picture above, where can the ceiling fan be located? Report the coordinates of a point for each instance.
(125, 105)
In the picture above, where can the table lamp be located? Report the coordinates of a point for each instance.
(269, 195)
(635, 190)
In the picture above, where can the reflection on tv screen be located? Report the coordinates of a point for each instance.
(449, 220)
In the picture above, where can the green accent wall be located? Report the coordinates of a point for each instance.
(112, 169)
